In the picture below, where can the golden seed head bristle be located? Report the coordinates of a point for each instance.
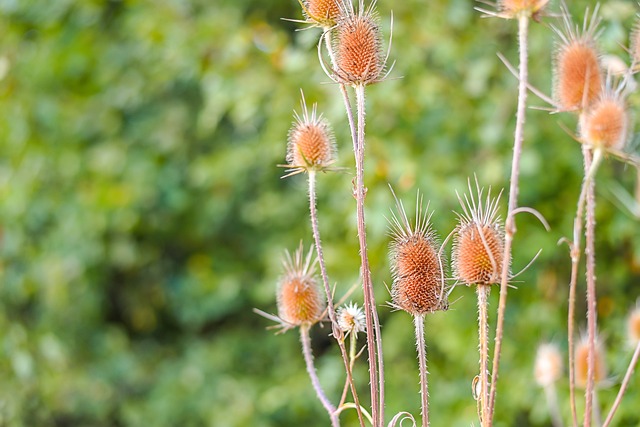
(605, 124)
(514, 7)
(548, 365)
(358, 47)
(633, 326)
(323, 12)
(416, 265)
(582, 363)
(351, 318)
(311, 144)
(579, 76)
(478, 243)
(300, 299)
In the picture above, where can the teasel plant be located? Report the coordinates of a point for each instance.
(418, 279)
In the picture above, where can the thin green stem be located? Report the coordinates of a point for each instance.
(337, 332)
(315, 381)
(510, 226)
(418, 321)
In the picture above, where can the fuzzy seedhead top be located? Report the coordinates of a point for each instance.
(578, 72)
(323, 13)
(311, 143)
(582, 363)
(301, 301)
(606, 124)
(416, 264)
(478, 245)
(548, 365)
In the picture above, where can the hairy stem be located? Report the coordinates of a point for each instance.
(374, 340)
(552, 404)
(623, 386)
(510, 226)
(337, 332)
(418, 320)
(311, 369)
(591, 294)
(483, 347)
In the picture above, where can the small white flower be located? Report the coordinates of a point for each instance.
(351, 318)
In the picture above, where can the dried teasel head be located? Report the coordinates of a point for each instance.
(300, 298)
(478, 245)
(578, 72)
(515, 8)
(606, 124)
(633, 326)
(311, 144)
(548, 365)
(416, 263)
(322, 13)
(359, 59)
(582, 363)
(351, 319)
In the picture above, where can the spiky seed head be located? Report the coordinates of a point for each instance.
(416, 264)
(548, 365)
(300, 299)
(512, 8)
(358, 47)
(582, 363)
(633, 326)
(311, 144)
(605, 125)
(478, 243)
(578, 72)
(351, 318)
(323, 13)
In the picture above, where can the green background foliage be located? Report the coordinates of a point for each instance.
(143, 215)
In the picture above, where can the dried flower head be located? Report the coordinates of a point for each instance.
(548, 367)
(582, 363)
(511, 9)
(606, 124)
(323, 13)
(359, 59)
(478, 245)
(633, 326)
(578, 72)
(311, 144)
(351, 318)
(300, 299)
(416, 263)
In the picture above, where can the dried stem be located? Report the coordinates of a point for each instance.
(623, 386)
(418, 320)
(337, 332)
(552, 404)
(510, 226)
(483, 292)
(311, 369)
(374, 340)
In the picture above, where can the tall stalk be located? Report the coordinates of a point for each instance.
(337, 332)
(483, 292)
(510, 226)
(418, 321)
(624, 385)
(308, 358)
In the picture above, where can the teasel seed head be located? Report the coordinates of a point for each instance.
(548, 365)
(359, 59)
(578, 72)
(323, 13)
(301, 301)
(416, 263)
(606, 124)
(513, 8)
(633, 326)
(311, 144)
(478, 243)
(582, 363)
(351, 319)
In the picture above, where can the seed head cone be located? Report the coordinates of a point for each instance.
(416, 267)
(548, 365)
(323, 11)
(359, 57)
(478, 253)
(582, 363)
(513, 7)
(300, 299)
(310, 144)
(578, 74)
(605, 124)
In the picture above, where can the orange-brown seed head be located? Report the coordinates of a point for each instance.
(300, 299)
(548, 365)
(578, 76)
(359, 57)
(633, 326)
(605, 124)
(323, 12)
(582, 363)
(514, 7)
